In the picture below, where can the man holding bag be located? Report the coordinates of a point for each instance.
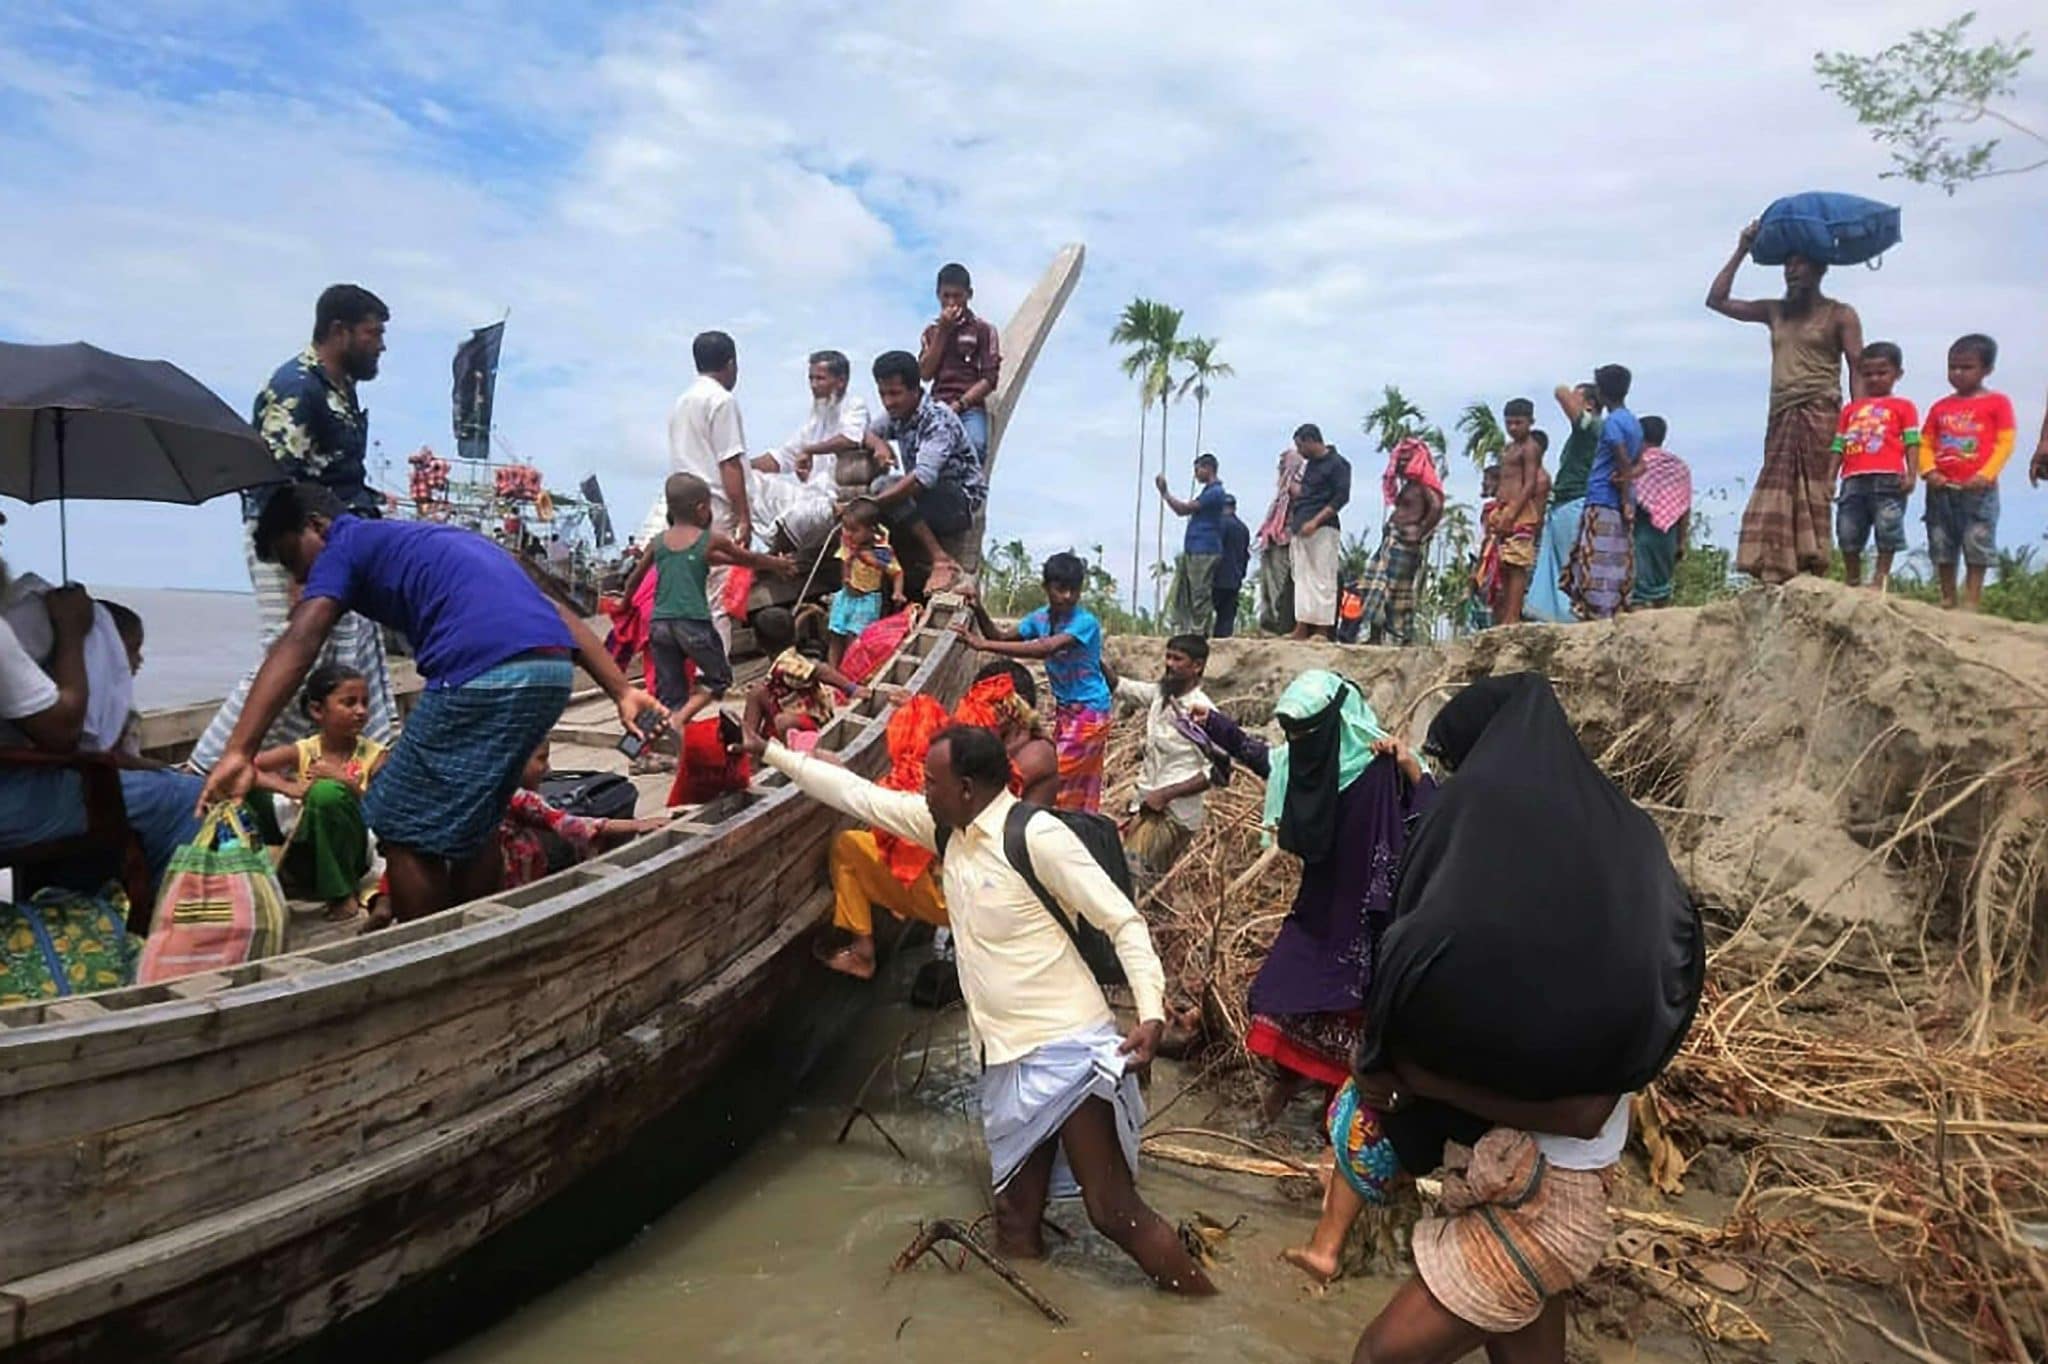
(496, 657)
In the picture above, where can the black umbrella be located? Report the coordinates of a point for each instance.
(77, 421)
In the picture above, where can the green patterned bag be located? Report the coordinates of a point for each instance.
(64, 943)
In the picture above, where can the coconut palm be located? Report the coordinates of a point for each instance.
(1394, 420)
(1150, 330)
(1199, 352)
(1484, 439)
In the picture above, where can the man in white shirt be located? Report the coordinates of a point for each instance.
(795, 487)
(1059, 1104)
(1177, 763)
(707, 438)
(46, 711)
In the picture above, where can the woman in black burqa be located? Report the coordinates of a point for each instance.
(1544, 961)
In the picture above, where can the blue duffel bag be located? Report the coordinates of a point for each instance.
(1834, 229)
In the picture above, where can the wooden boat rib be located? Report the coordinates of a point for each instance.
(227, 1166)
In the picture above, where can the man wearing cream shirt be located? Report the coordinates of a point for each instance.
(1059, 1105)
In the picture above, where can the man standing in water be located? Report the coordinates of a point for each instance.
(1059, 1104)
(316, 428)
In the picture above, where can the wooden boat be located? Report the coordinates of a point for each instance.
(293, 1154)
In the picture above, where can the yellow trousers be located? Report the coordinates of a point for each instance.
(862, 880)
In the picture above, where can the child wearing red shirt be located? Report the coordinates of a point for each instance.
(1964, 442)
(1871, 441)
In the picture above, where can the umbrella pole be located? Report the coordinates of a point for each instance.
(63, 516)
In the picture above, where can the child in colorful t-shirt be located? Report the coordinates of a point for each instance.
(867, 563)
(1067, 638)
(1965, 441)
(1873, 440)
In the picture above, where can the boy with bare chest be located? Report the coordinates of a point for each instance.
(1517, 517)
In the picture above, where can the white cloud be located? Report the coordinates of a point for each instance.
(1468, 204)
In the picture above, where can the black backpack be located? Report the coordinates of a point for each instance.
(593, 795)
(1098, 834)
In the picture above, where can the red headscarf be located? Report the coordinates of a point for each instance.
(990, 703)
(911, 731)
(1412, 459)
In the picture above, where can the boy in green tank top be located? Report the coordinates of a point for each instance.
(681, 558)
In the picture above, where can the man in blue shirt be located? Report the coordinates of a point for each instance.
(496, 657)
(1191, 605)
(1601, 571)
(1231, 569)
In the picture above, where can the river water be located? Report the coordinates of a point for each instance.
(786, 1254)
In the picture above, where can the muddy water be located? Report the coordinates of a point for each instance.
(786, 1255)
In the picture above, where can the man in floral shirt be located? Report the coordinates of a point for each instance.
(316, 428)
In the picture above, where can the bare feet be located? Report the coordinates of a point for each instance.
(945, 572)
(378, 917)
(342, 910)
(856, 959)
(1318, 1266)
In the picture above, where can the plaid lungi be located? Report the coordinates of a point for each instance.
(1388, 590)
(1081, 737)
(1602, 568)
(354, 642)
(450, 775)
(1787, 527)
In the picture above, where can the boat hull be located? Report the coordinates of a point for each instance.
(227, 1175)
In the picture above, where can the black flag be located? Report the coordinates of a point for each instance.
(600, 515)
(476, 382)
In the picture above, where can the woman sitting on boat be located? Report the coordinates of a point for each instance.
(327, 855)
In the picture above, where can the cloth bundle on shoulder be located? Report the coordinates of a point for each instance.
(220, 904)
(1542, 945)
(1834, 229)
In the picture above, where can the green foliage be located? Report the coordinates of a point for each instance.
(1011, 586)
(1199, 354)
(2014, 590)
(1484, 438)
(1916, 95)
(1149, 330)
(1702, 575)
(1396, 419)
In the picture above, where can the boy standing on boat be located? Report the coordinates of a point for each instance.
(316, 428)
(707, 438)
(961, 356)
(1059, 1104)
(495, 654)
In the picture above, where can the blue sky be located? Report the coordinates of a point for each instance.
(1471, 206)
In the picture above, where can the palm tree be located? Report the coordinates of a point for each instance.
(1200, 354)
(1484, 439)
(1150, 329)
(1394, 420)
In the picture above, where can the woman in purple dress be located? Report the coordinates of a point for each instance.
(1339, 795)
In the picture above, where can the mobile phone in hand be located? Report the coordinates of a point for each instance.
(631, 744)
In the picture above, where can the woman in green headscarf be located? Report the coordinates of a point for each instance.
(1339, 792)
